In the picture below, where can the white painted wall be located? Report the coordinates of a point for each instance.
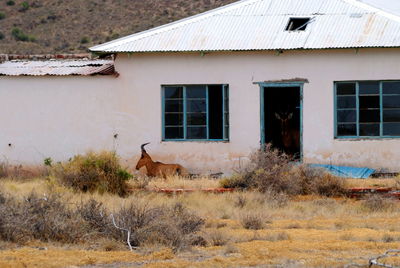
(61, 116)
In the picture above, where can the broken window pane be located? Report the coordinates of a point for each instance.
(346, 89)
(347, 116)
(370, 116)
(367, 102)
(346, 102)
(391, 129)
(391, 87)
(369, 129)
(347, 130)
(368, 88)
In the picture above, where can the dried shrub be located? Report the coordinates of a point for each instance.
(51, 218)
(44, 218)
(377, 203)
(240, 201)
(217, 238)
(95, 172)
(174, 227)
(252, 221)
(272, 171)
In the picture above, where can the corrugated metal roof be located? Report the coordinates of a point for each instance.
(57, 67)
(260, 25)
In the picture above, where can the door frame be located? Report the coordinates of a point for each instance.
(266, 85)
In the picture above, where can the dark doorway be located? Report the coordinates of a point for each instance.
(282, 118)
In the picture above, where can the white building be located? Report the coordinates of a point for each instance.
(205, 90)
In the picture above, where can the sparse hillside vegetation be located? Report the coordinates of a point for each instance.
(73, 26)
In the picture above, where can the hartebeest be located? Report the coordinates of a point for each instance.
(290, 135)
(157, 168)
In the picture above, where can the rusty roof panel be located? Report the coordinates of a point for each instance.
(260, 25)
(57, 67)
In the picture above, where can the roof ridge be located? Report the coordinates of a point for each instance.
(369, 7)
(191, 19)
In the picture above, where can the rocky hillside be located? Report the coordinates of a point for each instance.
(71, 26)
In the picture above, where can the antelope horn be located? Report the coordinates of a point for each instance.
(142, 146)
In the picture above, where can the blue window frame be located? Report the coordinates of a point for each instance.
(195, 112)
(367, 109)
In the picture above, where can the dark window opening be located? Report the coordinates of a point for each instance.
(196, 112)
(297, 24)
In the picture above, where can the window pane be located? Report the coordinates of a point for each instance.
(346, 89)
(197, 133)
(173, 92)
(368, 116)
(347, 116)
(196, 106)
(196, 119)
(173, 132)
(347, 130)
(195, 91)
(391, 101)
(173, 119)
(368, 87)
(346, 102)
(369, 102)
(391, 115)
(173, 106)
(369, 129)
(391, 87)
(391, 129)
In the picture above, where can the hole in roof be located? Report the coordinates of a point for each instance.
(297, 24)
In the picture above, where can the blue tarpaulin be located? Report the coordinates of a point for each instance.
(347, 172)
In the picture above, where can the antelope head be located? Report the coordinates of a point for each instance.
(144, 157)
(284, 118)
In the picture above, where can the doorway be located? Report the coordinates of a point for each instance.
(281, 116)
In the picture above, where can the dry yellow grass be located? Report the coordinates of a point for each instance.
(306, 231)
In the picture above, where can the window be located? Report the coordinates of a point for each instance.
(297, 24)
(367, 109)
(196, 112)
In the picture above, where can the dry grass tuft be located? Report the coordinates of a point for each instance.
(217, 237)
(252, 221)
(377, 203)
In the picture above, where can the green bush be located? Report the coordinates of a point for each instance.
(10, 3)
(19, 35)
(24, 6)
(95, 172)
(85, 40)
(2, 15)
